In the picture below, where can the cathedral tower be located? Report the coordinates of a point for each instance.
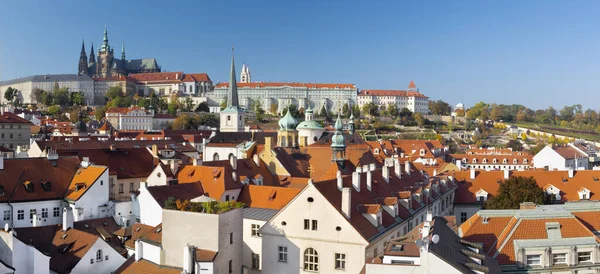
(245, 74)
(92, 55)
(83, 65)
(105, 57)
(232, 117)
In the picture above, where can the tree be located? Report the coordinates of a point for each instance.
(515, 145)
(439, 107)
(258, 110)
(345, 109)
(392, 110)
(61, 96)
(460, 112)
(188, 104)
(54, 110)
(293, 109)
(56, 87)
(479, 110)
(223, 104)
(210, 120)
(514, 191)
(47, 98)
(114, 92)
(173, 105)
(371, 109)
(356, 111)
(9, 94)
(273, 109)
(36, 95)
(100, 113)
(323, 112)
(77, 99)
(203, 107)
(171, 203)
(419, 119)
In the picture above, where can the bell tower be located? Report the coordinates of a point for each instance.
(83, 64)
(105, 57)
(232, 117)
(245, 74)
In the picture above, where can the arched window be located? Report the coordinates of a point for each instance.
(99, 255)
(525, 161)
(515, 161)
(484, 161)
(474, 160)
(504, 161)
(495, 161)
(216, 157)
(311, 260)
(230, 156)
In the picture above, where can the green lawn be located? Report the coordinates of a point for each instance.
(553, 129)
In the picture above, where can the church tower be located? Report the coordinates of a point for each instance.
(92, 55)
(338, 144)
(232, 117)
(83, 65)
(287, 135)
(105, 57)
(245, 74)
(123, 52)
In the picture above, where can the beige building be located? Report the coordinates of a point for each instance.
(14, 131)
(411, 99)
(132, 118)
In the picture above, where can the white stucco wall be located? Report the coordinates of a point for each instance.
(326, 240)
(103, 266)
(252, 244)
(38, 206)
(154, 179)
(150, 210)
(126, 211)
(152, 252)
(95, 199)
(548, 157)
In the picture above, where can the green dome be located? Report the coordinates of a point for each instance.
(338, 123)
(287, 122)
(312, 124)
(337, 141)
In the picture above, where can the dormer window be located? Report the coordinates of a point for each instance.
(495, 161)
(47, 186)
(584, 193)
(376, 151)
(422, 152)
(474, 160)
(525, 161)
(485, 161)
(515, 161)
(504, 161)
(28, 186)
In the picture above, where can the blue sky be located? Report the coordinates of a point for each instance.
(536, 53)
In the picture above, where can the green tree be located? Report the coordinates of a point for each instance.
(439, 107)
(56, 87)
(9, 94)
(174, 105)
(293, 109)
(47, 98)
(419, 119)
(356, 111)
(171, 203)
(345, 110)
(371, 109)
(514, 191)
(273, 108)
(54, 110)
(202, 107)
(223, 104)
(210, 120)
(188, 104)
(77, 99)
(258, 110)
(515, 145)
(100, 113)
(114, 92)
(479, 110)
(36, 95)
(392, 110)
(61, 96)
(323, 113)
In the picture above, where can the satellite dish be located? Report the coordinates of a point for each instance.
(435, 239)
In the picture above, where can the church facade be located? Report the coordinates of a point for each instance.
(106, 65)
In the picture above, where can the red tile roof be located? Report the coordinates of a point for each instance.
(568, 152)
(214, 180)
(11, 118)
(131, 266)
(412, 85)
(137, 231)
(283, 84)
(270, 197)
(400, 93)
(187, 191)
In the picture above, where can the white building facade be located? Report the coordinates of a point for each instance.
(411, 99)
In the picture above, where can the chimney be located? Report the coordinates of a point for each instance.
(188, 258)
(397, 169)
(86, 162)
(385, 173)
(35, 220)
(571, 173)
(268, 142)
(340, 183)
(174, 166)
(154, 150)
(435, 172)
(369, 180)
(506, 174)
(138, 250)
(197, 162)
(233, 162)
(256, 160)
(356, 179)
(407, 167)
(527, 205)
(472, 172)
(459, 164)
(67, 218)
(346, 202)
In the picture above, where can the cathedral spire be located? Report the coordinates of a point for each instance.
(92, 55)
(232, 95)
(123, 51)
(83, 65)
(105, 47)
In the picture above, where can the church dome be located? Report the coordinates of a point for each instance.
(312, 124)
(287, 122)
(337, 140)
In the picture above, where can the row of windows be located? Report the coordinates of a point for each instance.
(131, 188)
(21, 213)
(10, 126)
(495, 161)
(559, 258)
(10, 136)
(310, 259)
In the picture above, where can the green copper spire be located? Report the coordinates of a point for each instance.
(232, 94)
(105, 47)
(123, 51)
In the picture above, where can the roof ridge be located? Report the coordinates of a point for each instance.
(507, 237)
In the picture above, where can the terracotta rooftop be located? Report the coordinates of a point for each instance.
(182, 191)
(154, 236)
(499, 159)
(137, 231)
(281, 84)
(569, 152)
(11, 118)
(84, 179)
(131, 266)
(203, 255)
(214, 180)
(400, 93)
(270, 197)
